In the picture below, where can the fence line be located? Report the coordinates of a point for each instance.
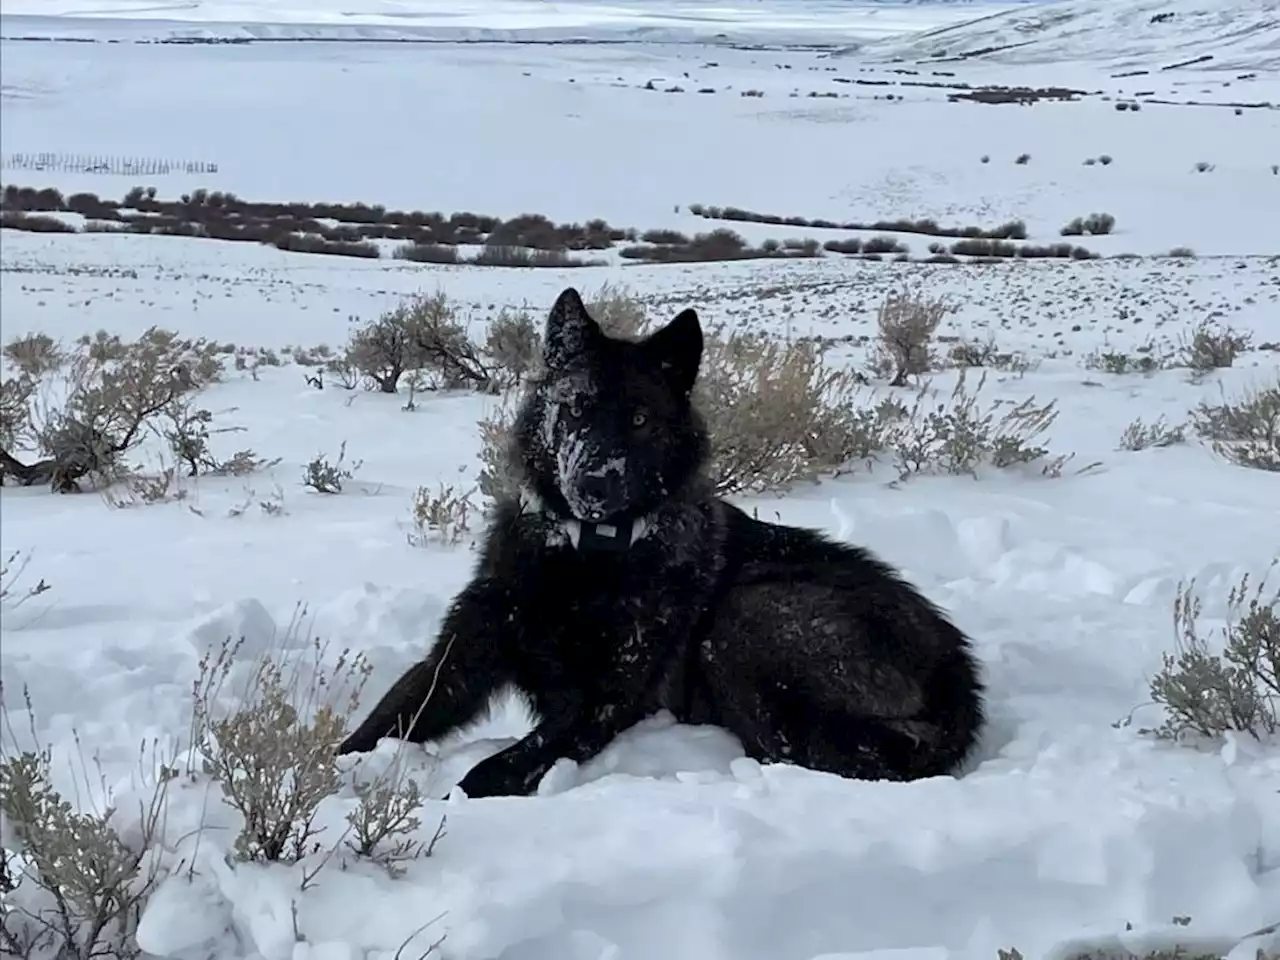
(97, 163)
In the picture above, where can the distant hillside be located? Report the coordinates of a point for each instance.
(1235, 34)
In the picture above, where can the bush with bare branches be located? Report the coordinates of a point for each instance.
(383, 826)
(273, 753)
(35, 355)
(1140, 435)
(499, 477)
(113, 394)
(263, 735)
(74, 883)
(960, 435)
(775, 411)
(13, 591)
(906, 322)
(329, 476)
(1211, 685)
(443, 516)
(1245, 431)
(425, 332)
(513, 342)
(16, 428)
(1212, 346)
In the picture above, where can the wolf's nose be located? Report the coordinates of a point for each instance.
(599, 491)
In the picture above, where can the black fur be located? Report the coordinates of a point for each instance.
(809, 651)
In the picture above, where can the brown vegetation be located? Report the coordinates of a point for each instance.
(1012, 230)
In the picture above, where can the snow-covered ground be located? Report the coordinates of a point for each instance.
(823, 22)
(1067, 829)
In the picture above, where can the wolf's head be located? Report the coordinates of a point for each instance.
(609, 430)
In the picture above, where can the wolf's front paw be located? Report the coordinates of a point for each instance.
(498, 776)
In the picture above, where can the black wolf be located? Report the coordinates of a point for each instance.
(618, 585)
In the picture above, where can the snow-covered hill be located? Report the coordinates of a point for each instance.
(1235, 34)
(787, 22)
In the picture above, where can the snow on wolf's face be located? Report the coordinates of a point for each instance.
(589, 449)
(610, 431)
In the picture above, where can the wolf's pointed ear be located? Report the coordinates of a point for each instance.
(677, 347)
(570, 329)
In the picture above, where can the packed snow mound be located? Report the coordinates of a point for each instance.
(785, 22)
(1229, 34)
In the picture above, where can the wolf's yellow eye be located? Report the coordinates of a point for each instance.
(575, 410)
(639, 418)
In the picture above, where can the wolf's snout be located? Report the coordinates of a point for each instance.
(601, 496)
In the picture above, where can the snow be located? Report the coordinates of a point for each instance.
(1137, 33)
(1068, 829)
(824, 22)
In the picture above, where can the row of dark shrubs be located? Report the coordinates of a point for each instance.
(301, 226)
(669, 246)
(226, 216)
(1013, 230)
(660, 246)
(490, 254)
(1022, 95)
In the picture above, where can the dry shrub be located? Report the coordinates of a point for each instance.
(1116, 362)
(443, 348)
(499, 477)
(514, 343)
(74, 883)
(441, 517)
(16, 427)
(619, 313)
(1141, 436)
(1212, 346)
(12, 593)
(1095, 224)
(1173, 952)
(35, 355)
(1245, 432)
(112, 395)
(1207, 692)
(986, 353)
(188, 431)
(422, 332)
(770, 406)
(959, 435)
(383, 826)
(135, 487)
(273, 754)
(325, 476)
(906, 322)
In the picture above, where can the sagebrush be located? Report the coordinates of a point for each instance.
(272, 753)
(84, 409)
(1229, 680)
(1244, 431)
(74, 882)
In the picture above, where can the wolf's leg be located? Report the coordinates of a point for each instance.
(453, 684)
(578, 724)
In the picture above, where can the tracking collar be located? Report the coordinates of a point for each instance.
(616, 536)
